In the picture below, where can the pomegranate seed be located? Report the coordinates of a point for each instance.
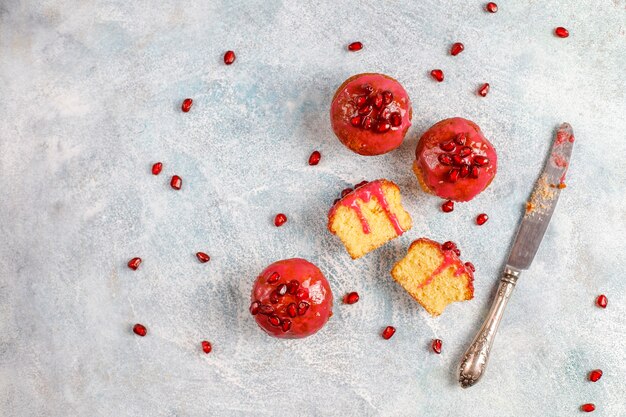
(460, 139)
(588, 408)
(229, 57)
(134, 263)
(266, 309)
(474, 172)
(448, 206)
(292, 286)
(273, 279)
(280, 219)
(303, 306)
(453, 175)
(378, 101)
(361, 100)
(355, 46)
(255, 307)
(437, 74)
(465, 151)
(383, 126)
(366, 109)
(480, 160)
(465, 169)
(156, 168)
(483, 90)
(140, 330)
(292, 310)
(481, 219)
(448, 245)
(595, 375)
(274, 297)
(203, 257)
(285, 325)
(361, 184)
(388, 332)
(602, 301)
(491, 7)
(457, 160)
(457, 251)
(436, 345)
(355, 121)
(315, 157)
(367, 123)
(456, 48)
(387, 97)
(445, 159)
(176, 182)
(186, 106)
(274, 320)
(351, 298)
(561, 32)
(447, 146)
(281, 289)
(206, 346)
(345, 192)
(395, 119)
(302, 294)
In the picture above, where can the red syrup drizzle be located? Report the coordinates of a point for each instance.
(448, 261)
(365, 194)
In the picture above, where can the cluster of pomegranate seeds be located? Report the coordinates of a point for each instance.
(373, 111)
(355, 46)
(176, 182)
(203, 257)
(460, 157)
(280, 219)
(483, 90)
(602, 301)
(206, 346)
(388, 332)
(588, 408)
(315, 157)
(351, 298)
(157, 168)
(437, 74)
(436, 345)
(561, 32)
(186, 106)
(595, 375)
(447, 206)
(491, 7)
(140, 330)
(456, 48)
(481, 219)
(451, 246)
(134, 263)
(229, 57)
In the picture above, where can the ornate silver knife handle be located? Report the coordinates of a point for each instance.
(477, 354)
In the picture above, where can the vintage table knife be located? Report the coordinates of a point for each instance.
(539, 210)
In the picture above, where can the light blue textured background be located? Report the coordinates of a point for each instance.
(90, 93)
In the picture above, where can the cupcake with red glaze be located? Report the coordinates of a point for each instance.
(371, 113)
(454, 160)
(291, 299)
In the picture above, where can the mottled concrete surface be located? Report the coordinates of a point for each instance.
(89, 98)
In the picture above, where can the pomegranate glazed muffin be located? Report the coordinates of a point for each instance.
(371, 113)
(434, 275)
(291, 299)
(454, 160)
(368, 217)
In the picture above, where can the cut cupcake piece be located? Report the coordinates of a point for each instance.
(368, 217)
(434, 276)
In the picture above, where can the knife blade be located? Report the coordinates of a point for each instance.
(542, 201)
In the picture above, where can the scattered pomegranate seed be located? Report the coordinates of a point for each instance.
(483, 90)
(134, 263)
(273, 278)
(351, 298)
(481, 219)
(303, 306)
(315, 157)
(456, 48)
(561, 32)
(448, 206)
(491, 7)
(437, 74)
(280, 219)
(355, 46)
(588, 408)
(457, 251)
(470, 266)
(203, 257)
(186, 106)
(285, 325)
(595, 375)
(140, 330)
(274, 320)
(255, 307)
(453, 175)
(292, 310)
(229, 57)
(481, 160)
(602, 301)
(156, 168)
(302, 294)
(436, 345)
(388, 332)
(448, 245)
(176, 182)
(206, 346)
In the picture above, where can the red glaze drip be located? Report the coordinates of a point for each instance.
(365, 194)
(450, 259)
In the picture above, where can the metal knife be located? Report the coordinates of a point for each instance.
(539, 209)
